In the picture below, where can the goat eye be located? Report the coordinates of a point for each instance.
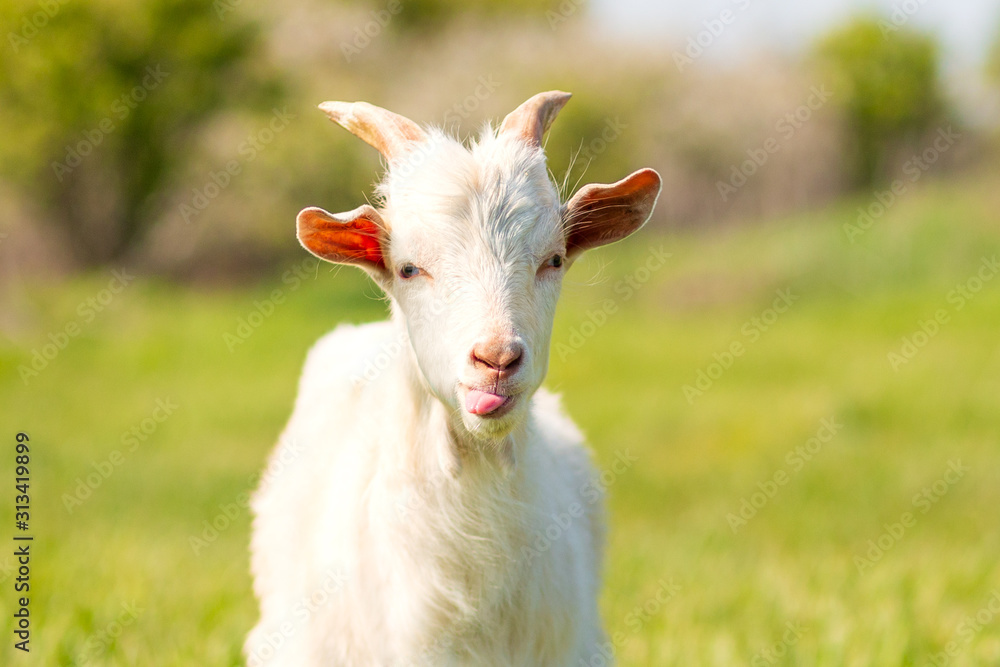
(408, 271)
(555, 261)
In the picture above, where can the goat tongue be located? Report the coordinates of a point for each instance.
(481, 402)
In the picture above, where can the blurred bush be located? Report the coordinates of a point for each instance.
(436, 14)
(993, 61)
(886, 78)
(101, 104)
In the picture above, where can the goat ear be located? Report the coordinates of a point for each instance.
(355, 237)
(599, 214)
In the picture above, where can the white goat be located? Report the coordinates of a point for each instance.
(433, 505)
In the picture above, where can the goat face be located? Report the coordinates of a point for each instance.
(471, 244)
(476, 256)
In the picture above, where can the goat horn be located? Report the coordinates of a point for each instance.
(531, 120)
(388, 132)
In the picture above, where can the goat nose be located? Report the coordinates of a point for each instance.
(501, 356)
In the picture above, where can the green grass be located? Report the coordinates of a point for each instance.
(794, 562)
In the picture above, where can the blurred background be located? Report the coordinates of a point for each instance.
(816, 358)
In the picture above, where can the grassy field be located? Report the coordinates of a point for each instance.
(825, 491)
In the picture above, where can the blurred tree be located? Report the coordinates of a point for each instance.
(886, 78)
(101, 103)
(993, 61)
(433, 14)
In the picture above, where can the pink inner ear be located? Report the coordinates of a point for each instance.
(356, 241)
(600, 214)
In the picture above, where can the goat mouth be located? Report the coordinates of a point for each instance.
(487, 404)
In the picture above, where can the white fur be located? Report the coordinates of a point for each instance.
(396, 528)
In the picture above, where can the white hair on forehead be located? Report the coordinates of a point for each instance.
(497, 188)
